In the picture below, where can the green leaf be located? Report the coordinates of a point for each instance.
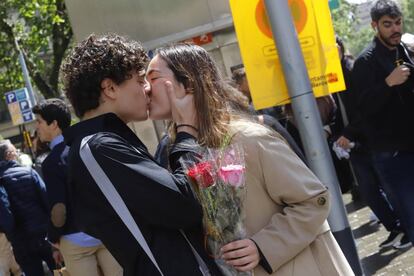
(32, 22)
(57, 19)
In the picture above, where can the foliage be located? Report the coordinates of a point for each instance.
(360, 40)
(43, 32)
(408, 8)
(346, 24)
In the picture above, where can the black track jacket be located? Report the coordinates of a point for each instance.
(158, 210)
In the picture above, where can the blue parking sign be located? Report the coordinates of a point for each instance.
(24, 105)
(19, 105)
(10, 97)
(27, 116)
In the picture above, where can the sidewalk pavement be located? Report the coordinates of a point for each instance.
(375, 260)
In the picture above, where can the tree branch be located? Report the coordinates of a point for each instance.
(39, 81)
(61, 41)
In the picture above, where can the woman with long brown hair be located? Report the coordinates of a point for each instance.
(286, 205)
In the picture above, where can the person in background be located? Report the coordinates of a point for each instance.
(348, 130)
(383, 85)
(82, 253)
(7, 261)
(240, 79)
(26, 194)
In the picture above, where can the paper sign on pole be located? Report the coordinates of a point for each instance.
(19, 105)
(264, 72)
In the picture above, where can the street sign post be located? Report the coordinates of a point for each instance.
(19, 105)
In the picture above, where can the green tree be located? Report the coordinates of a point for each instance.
(408, 8)
(43, 32)
(346, 26)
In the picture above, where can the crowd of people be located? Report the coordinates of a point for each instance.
(104, 205)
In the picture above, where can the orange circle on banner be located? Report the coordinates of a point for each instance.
(299, 15)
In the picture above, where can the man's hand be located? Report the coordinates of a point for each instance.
(343, 142)
(398, 76)
(242, 254)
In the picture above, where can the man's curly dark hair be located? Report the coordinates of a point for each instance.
(94, 59)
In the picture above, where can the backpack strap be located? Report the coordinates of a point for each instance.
(112, 195)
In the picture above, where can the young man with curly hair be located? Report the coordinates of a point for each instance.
(104, 78)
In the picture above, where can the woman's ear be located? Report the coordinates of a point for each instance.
(108, 88)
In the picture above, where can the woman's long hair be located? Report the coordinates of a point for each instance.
(196, 70)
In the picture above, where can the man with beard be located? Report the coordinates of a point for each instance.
(384, 83)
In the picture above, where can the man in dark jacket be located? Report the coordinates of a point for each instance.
(105, 81)
(383, 81)
(28, 205)
(81, 252)
(348, 124)
(7, 261)
(6, 217)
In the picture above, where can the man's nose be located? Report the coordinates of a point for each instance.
(147, 88)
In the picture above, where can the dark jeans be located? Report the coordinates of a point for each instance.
(397, 170)
(370, 188)
(30, 253)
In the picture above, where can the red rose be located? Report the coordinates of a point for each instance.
(202, 174)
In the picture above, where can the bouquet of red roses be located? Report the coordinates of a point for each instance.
(218, 180)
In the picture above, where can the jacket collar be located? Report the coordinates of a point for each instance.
(403, 52)
(56, 141)
(382, 48)
(108, 122)
(6, 164)
(385, 55)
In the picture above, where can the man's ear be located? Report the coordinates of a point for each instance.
(54, 123)
(108, 88)
(374, 26)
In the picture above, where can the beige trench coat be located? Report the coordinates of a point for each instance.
(286, 208)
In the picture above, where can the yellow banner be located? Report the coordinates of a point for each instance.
(264, 72)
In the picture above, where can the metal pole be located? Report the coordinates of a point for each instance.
(309, 122)
(26, 75)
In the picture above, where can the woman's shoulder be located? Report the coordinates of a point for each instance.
(255, 137)
(248, 130)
